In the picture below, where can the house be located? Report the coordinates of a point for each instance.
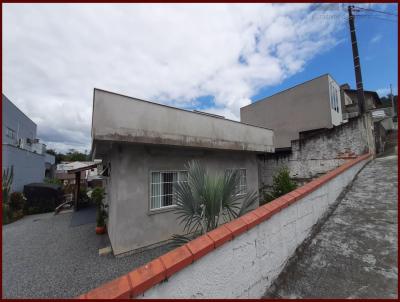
(312, 105)
(144, 148)
(350, 100)
(382, 116)
(86, 175)
(21, 148)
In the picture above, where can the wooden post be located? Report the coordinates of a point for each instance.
(77, 189)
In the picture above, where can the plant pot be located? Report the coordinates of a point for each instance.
(100, 230)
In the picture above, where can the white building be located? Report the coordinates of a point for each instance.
(21, 149)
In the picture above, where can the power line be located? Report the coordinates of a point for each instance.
(374, 10)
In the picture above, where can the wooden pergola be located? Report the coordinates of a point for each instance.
(77, 173)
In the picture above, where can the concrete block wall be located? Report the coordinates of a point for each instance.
(239, 259)
(316, 155)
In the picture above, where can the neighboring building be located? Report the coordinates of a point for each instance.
(86, 176)
(21, 148)
(314, 129)
(312, 105)
(145, 147)
(382, 116)
(350, 101)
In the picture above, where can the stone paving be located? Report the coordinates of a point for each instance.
(354, 255)
(43, 257)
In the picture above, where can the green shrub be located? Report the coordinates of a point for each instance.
(98, 198)
(281, 185)
(17, 201)
(83, 197)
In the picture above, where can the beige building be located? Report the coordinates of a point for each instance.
(312, 105)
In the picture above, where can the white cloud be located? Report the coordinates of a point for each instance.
(55, 54)
(376, 38)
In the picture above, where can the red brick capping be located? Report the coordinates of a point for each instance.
(143, 278)
(146, 276)
(200, 246)
(220, 235)
(176, 259)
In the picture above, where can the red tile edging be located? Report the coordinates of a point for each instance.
(143, 278)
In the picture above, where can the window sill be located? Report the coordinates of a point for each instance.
(161, 210)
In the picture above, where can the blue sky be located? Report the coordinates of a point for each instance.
(378, 49)
(210, 57)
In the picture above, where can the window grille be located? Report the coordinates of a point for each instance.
(162, 187)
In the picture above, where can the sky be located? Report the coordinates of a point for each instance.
(210, 57)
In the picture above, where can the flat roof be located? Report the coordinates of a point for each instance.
(122, 118)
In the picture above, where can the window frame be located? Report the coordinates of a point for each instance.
(165, 208)
(334, 97)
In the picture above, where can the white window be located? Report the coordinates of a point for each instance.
(242, 186)
(334, 98)
(162, 187)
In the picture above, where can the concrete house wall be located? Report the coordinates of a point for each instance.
(300, 108)
(132, 224)
(135, 137)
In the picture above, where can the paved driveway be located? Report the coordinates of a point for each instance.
(44, 257)
(355, 253)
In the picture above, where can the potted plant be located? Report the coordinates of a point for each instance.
(101, 214)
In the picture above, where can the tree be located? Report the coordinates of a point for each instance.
(71, 155)
(205, 201)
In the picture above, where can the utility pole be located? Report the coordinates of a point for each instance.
(356, 59)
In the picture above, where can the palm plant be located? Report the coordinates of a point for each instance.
(205, 201)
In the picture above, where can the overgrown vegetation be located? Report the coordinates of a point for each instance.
(205, 201)
(281, 185)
